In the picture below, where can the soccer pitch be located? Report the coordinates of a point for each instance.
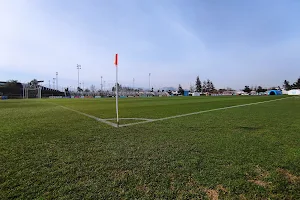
(235, 147)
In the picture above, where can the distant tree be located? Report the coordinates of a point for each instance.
(247, 89)
(158, 90)
(87, 90)
(11, 83)
(204, 86)
(208, 85)
(119, 88)
(221, 90)
(286, 85)
(180, 90)
(79, 89)
(260, 89)
(198, 84)
(296, 85)
(151, 89)
(211, 87)
(93, 88)
(192, 88)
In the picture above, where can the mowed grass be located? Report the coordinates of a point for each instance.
(251, 152)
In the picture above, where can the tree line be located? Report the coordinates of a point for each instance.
(205, 86)
(288, 86)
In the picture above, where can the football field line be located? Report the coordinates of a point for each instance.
(87, 115)
(200, 112)
(147, 120)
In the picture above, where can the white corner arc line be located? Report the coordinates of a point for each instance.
(200, 112)
(87, 115)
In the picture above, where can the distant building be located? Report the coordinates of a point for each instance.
(294, 92)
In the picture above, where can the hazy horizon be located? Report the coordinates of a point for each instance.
(233, 43)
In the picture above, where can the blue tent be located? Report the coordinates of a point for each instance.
(274, 92)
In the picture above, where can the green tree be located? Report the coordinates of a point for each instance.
(247, 89)
(204, 86)
(79, 89)
(260, 89)
(296, 85)
(286, 85)
(180, 90)
(192, 89)
(11, 83)
(209, 86)
(198, 84)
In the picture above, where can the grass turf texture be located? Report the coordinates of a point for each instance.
(251, 152)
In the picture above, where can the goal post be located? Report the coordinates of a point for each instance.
(29, 92)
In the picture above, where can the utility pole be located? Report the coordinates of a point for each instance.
(78, 68)
(133, 84)
(149, 81)
(49, 85)
(82, 85)
(54, 83)
(57, 80)
(101, 84)
(104, 85)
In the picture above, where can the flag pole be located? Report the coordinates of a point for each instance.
(117, 94)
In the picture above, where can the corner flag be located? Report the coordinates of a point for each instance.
(117, 95)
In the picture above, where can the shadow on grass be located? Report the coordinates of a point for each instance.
(249, 128)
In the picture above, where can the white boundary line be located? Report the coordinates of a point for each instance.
(143, 119)
(200, 112)
(160, 119)
(87, 115)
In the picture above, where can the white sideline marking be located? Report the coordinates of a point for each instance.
(204, 111)
(87, 115)
(144, 119)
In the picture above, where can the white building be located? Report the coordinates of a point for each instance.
(294, 92)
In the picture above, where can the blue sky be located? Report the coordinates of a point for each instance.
(234, 43)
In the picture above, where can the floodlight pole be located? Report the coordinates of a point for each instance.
(78, 68)
(54, 83)
(56, 80)
(149, 82)
(49, 84)
(133, 84)
(101, 84)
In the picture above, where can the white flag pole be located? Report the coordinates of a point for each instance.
(117, 94)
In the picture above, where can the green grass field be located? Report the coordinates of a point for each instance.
(48, 151)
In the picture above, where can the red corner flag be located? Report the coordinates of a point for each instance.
(116, 60)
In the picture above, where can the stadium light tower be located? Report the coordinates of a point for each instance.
(133, 83)
(78, 68)
(54, 83)
(149, 81)
(101, 84)
(56, 80)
